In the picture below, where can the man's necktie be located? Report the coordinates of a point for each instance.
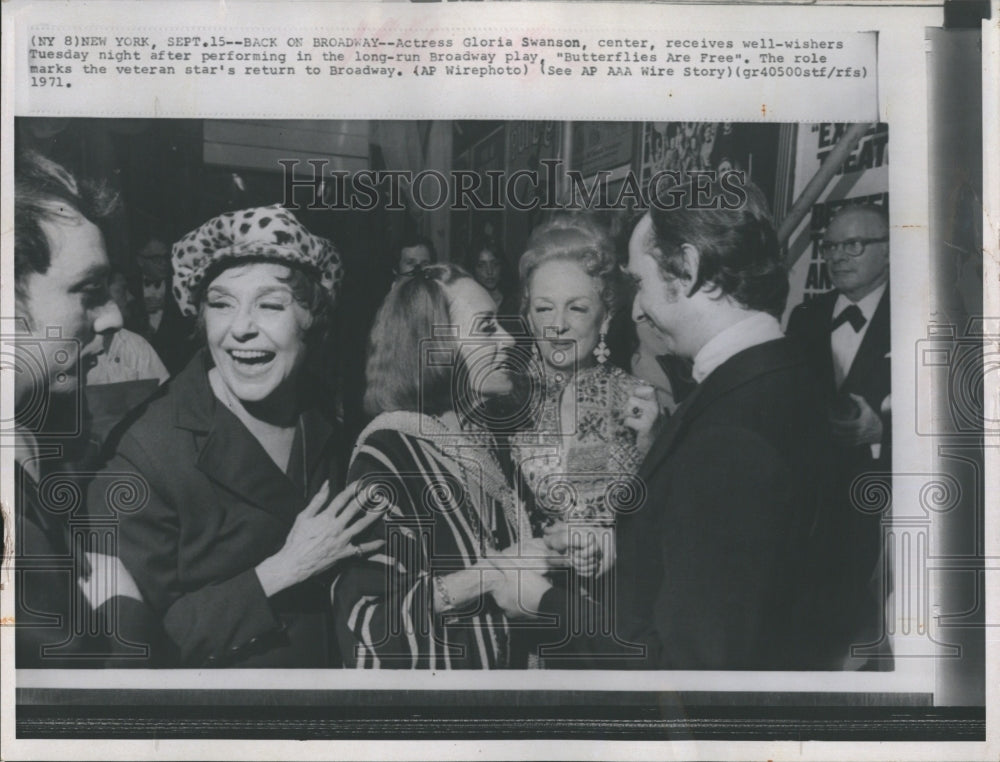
(851, 314)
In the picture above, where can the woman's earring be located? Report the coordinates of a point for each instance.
(601, 351)
(536, 356)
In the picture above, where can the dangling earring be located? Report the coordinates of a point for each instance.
(536, 363)
(601, 351)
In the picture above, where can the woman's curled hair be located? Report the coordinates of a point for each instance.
(575, 237)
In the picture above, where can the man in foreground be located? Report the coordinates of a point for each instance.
(63, 310)
(731, 561)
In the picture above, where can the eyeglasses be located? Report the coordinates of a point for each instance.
(852, 247)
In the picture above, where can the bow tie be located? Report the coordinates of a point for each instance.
(851, 314)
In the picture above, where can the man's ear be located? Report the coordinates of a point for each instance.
(692, 258)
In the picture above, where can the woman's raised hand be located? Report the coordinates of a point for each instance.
(516, 576)
(641, 413)
(322, 535)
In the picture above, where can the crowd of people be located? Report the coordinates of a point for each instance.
(514, 498)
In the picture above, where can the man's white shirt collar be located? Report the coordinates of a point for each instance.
(758, 328)
(845, 341)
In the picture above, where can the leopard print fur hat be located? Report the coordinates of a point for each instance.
(267, 233)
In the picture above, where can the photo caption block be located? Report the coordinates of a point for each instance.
(409, 72)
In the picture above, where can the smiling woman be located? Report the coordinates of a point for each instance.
(234, 546)
(447, 592)
(595, 420)
(255, 331)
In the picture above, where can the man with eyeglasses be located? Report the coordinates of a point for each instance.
(845, 335)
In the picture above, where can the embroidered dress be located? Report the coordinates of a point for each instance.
(578, 459)
(450, 504)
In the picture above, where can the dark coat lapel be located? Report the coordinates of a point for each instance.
(32, 509)
(665, 441)
(317, 435)
(736, 371)
(231, 456)
(814, 335)
(873, 347)
(823, 345)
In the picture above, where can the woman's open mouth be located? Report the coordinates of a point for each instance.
(250, 358)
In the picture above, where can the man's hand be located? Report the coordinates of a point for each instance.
(534, 553)
(521, 582)
(864, 429)
(586, 547)
(521, 591)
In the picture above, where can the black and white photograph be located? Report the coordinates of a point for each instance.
(438, 429)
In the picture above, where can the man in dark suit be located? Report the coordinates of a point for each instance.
(845, 336)
(730, 562)
(845, 332)
(67, 598)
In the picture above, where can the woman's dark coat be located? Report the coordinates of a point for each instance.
(217, 506)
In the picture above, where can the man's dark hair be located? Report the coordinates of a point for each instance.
(507, 280)
(45, 191)
(735, 238)
(415, 239)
